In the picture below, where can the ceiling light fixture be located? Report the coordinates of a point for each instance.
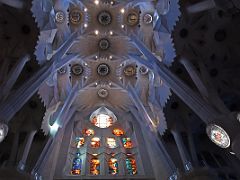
(96, 32)
(96, 2)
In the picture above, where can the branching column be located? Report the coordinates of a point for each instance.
(14, 150)
(13, 76)
(19, 4)
(51, 150)
(195, 76)
(150, 130)
(182, 150)
(16, 100)
(204, 110)
(201, 6)
(22, 163)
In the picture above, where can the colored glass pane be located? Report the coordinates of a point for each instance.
(127, 143)
(131, 165)
(102, 121)
(95, 142)
(76, 166)
(88, 132)
(218, 135)
(113, 166)
(111, 142)
(118, 132)
(79, 142)
(95, 166)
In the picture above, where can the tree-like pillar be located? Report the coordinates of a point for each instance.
(19, 4)
(195, 76)
(203, 109)
(14, 150)
(192, 148)
(182, 150)
(201, 6)
(150, 130)
(13, 76)
(49, 156)
(22, 163)
(207, 112)
(16, 100)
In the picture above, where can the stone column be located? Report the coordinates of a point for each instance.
(13, 76)
(19, 4)
(16, 100)
(14, 150)
(192, 148)
(182, 150)
(203, 109)
(195, 76)
(150, 131)
(207, 112)
(201, 6)
(49, 155)
(22, 163)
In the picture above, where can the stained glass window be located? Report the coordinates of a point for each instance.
(111, 142)
(118, 132)
(76, 166)
(88, 132)
(127, 143)
(218, 135)
(95, 166)
(103, 118)
(113, 166)
(131, 165)
(95, 142)
(79, 141)
(102, 121)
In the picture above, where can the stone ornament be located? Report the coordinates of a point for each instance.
(75, 16)
(130, 70)
(62, 70)
(59, 16)
(147, 18)
(103, 93)
(77, 69)
(104, 18)
(132, 18)
(143, 70)
(104, 44)
(103, 69)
